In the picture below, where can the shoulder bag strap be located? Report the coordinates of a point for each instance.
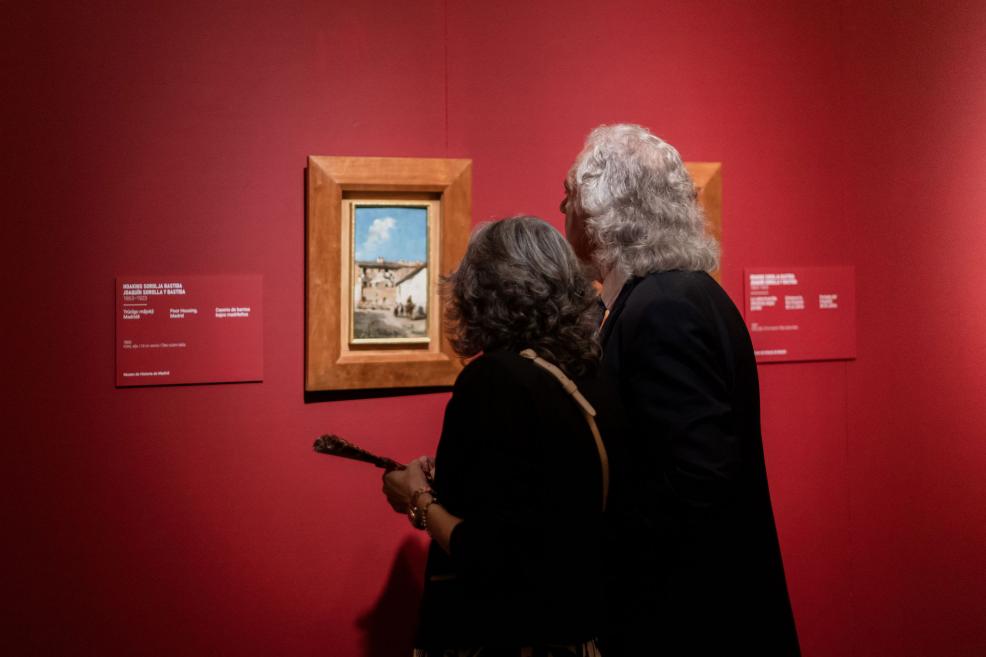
(587, 410)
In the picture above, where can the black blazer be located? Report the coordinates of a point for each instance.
(687, 375)
(518, 463)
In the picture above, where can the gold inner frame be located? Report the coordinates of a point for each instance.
(429, 341)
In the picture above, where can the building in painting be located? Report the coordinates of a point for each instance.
(384, 285)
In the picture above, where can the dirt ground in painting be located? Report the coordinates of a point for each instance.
(382, 324)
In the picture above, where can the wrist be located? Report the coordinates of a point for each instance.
(413, 510)
(415, 497)
(426, 506)
(417, 512)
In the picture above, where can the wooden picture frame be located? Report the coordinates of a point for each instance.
(707, 177)
(359, 333)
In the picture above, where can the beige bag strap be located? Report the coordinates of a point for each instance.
(587, 410)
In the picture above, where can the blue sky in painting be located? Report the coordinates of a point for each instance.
(393, 232)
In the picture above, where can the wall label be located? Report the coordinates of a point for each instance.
(189, 329)
(801, 313)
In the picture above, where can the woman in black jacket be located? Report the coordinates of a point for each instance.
(521, 479)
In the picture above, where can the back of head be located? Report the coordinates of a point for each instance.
(520, 286)
(639, 204)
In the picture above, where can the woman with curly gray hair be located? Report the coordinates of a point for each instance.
(520, 286)
(516, 506)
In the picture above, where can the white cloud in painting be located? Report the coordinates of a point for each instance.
(378, 233)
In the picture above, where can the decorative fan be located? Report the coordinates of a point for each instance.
(336, 446)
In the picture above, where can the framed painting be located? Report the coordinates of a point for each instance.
(381, 232)
(707, 177)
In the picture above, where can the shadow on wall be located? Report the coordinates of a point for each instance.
(389, 626)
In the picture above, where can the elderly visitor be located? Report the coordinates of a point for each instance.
(711, 581)
(527, 460)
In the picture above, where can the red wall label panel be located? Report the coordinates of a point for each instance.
(801, 313)
(189, 329)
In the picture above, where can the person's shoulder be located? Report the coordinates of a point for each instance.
(675, 285)
(495, 386)
(493, 369)
(668, 294)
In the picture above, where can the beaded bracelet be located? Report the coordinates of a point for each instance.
(424, 513)
(413, 512)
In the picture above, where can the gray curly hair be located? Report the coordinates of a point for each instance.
(639, 204)
(520, 286)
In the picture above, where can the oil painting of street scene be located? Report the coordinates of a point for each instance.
(390, 273)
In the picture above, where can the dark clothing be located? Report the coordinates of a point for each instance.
(518, 463)
(687, 375)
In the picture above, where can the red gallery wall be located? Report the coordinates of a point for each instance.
(915, 101)
(170, 138)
